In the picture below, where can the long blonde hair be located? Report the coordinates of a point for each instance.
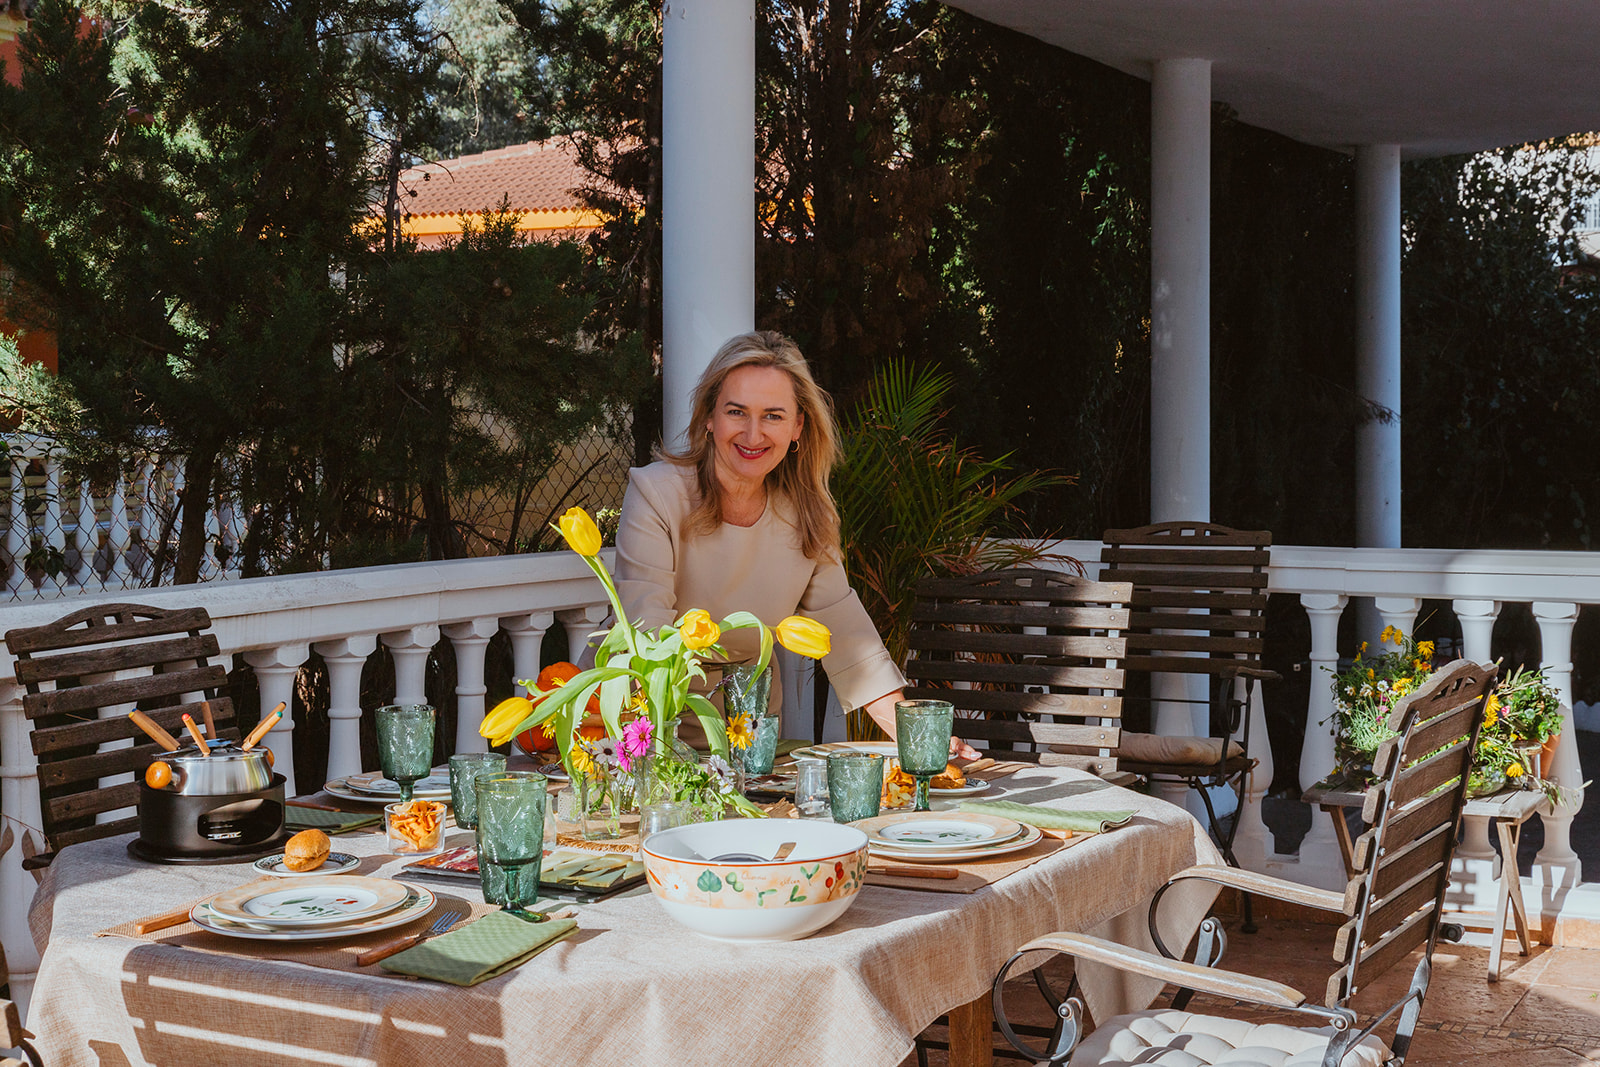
(801, 477)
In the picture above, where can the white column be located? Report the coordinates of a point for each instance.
(1477, 628)
(1557, 867)
(1253, 842)
(345, 658)
(1475, 868)
(55, 534)
(410, 650)
(708, 218)
(580, 623)
(470, 640)
(119, 536)
(527, 634)
(275, 669)
(1180, 290)
(17, 528)
(1378, 343)
(1398, 611)
(87, 537)
(20, 837)
(1320, 860)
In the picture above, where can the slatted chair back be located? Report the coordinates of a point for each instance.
(1199, 595)
(1402, 862)
(1030, 659)
(82, 674)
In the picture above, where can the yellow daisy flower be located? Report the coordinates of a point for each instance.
(739, 735)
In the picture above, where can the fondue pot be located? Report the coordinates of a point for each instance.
(216, 803)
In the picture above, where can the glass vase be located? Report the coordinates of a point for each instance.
(602, 803)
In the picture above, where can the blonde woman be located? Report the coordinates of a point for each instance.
(741, 519)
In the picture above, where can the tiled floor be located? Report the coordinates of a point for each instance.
(1544, 1011)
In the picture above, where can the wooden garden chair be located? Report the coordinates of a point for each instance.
(1392, 904)
(82, 674)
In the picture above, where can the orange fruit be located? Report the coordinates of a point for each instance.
(553, 677)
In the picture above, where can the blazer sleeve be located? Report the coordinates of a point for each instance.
(647, 553)
(859, 667)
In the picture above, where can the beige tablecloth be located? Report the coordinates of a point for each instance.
(631, 987)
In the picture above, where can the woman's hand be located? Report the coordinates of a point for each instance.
(882, 712)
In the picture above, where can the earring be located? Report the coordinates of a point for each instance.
(708, 433)
(794, 446)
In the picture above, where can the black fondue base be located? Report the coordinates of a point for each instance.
(225, 828)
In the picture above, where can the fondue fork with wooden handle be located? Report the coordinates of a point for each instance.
(194, 732)
(154, 730)
(262, 727)
(205, 717)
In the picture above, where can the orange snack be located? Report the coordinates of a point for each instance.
(418, 824)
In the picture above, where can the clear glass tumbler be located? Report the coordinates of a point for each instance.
(464, 770)
(510, 836)
(855, 785)
(811, 788)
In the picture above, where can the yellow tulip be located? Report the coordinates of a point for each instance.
(582, 535)
(698, 630)
(804, 637)
(501, 724)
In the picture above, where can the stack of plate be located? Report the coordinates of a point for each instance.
(312, 909)
(945, 836)
(374, 788)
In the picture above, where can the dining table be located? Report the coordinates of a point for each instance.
(630, 986)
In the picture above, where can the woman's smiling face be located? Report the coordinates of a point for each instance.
(754, 422)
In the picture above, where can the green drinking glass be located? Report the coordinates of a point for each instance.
(855, 785)
(464, 770)
(510, 836)
(922, 733)
(405, 744)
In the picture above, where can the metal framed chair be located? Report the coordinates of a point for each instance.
(1029, 658)
(1199, 606)
(82, 673)
(1393, 904)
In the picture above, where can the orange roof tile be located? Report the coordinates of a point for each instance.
(540, 178)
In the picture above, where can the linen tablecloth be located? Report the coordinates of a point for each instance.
(631, 986)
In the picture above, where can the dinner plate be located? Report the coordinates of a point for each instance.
(930, 831)
(336, 863)
(337, 787)
(553, 771)
(432, 787)
(1030, 836)
(419, 901)
(310, 901)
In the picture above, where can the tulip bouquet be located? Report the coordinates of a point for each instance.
(643, 678)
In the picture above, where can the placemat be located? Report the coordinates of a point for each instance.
(330, 822)
(329, 955)
(975, 874)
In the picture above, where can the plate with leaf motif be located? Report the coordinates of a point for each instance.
(310, 901)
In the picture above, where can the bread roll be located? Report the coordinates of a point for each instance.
(306, 850)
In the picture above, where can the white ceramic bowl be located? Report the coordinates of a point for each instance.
(756, 901)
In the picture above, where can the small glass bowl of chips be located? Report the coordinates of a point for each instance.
(414, 828)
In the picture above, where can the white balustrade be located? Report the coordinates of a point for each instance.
(580, 625)
(470, 640)
(276, 668)
(345, 657)
(410, 649)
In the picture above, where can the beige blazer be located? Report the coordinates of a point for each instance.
(663, 572)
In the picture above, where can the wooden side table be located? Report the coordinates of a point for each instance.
(1506, 811)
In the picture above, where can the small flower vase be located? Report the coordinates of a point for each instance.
(1485, 781)
(746, 693)
(600, 806)
(650, 785)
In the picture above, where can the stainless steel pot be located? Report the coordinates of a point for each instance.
(226, 770)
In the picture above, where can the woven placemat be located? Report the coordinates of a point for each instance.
(975, 874)
(337, 955)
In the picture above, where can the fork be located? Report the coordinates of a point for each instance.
(400, 944)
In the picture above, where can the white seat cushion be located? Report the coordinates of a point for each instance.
(1155, 748)
(1179, 1039)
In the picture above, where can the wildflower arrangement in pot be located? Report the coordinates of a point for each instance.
(1521, 715)
(644, 681)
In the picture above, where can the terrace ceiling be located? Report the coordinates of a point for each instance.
(1434, 76)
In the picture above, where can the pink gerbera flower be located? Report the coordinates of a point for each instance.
(635, 745)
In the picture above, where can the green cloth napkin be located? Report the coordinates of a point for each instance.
(1083, 822)
(787, 745)
(480, 950)
(330, 822)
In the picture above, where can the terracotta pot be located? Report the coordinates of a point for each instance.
(1547, 755)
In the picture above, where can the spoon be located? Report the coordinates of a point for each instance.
(745, 857)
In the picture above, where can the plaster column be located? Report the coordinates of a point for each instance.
(1180, 290)
(580, 624)
(17, 528)
(527, 634)
(20, 837)
(345, 659)
(471, 641)
(1320, 861)
(708, 199)
(1557, 868)
(410, 650)
(276, 669)
(1475, 868)
(1378, 344)
(1253, 842)
(1399, 612)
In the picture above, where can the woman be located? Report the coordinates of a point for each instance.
(741, 519)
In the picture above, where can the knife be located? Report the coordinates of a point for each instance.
(400, 944)
(944, 873)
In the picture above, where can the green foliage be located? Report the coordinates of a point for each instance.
(915, 504)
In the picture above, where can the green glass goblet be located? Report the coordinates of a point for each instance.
(405, 744)
(922, 733)
(464, 770)
(510, 836)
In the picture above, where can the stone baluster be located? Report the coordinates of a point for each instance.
(410, 649)
(1399, 612)
(470, 639)
(1557, 867)
(1475, 868)
(345, 657)
(119, 573)
(17, 530)
(1252, 843)
(580, 624)
(55, 532)
(526, 633)
(87, 538)
(1320, 862)
(276, 668)
(20, 837)
(211, 566)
